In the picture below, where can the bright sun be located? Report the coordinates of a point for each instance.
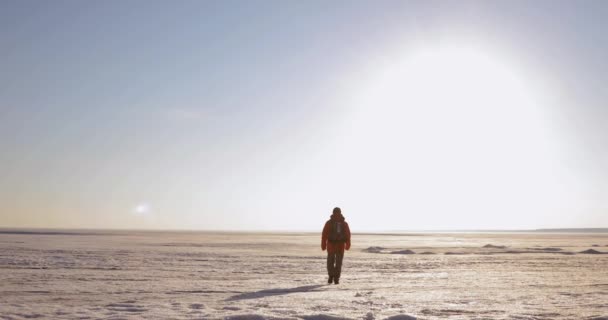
(457, 124)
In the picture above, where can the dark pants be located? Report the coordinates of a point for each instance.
(334, 263)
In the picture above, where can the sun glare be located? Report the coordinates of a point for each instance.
(457, 124)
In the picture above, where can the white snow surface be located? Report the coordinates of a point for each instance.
(211, 275)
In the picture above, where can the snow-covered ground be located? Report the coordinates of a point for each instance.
(181, 275)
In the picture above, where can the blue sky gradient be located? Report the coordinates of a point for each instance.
(227, 114)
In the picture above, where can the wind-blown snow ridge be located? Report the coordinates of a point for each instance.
(312, 317)
(494, 249)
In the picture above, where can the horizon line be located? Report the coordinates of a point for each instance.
(386, 231)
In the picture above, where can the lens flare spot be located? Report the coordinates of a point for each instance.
(142, 209)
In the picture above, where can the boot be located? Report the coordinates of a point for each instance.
(336, 280)
(330, 280)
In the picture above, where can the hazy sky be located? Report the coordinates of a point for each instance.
(267, 114)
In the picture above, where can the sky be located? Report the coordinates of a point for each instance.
(264, 115)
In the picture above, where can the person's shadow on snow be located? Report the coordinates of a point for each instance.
(273, 292)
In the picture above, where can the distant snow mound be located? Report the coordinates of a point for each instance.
(491, 246)
(592, 251)
(401, 317)
(407, 251)
(374, 249)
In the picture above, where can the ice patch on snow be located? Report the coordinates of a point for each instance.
(401, 317)
(247, 317)
(491, 246)
(324, 317)
(127, 306)
(407, 251)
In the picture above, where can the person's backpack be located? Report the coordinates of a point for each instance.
(336, 232)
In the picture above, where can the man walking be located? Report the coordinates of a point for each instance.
(335, 238)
